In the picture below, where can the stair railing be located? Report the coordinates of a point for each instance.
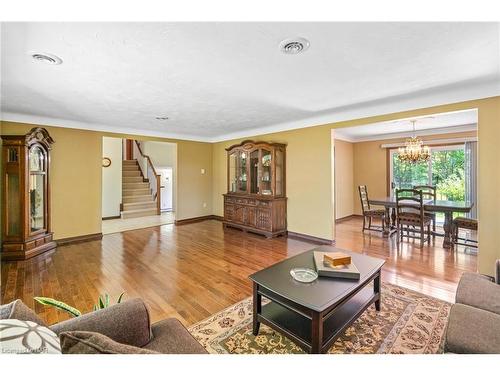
(148, 171)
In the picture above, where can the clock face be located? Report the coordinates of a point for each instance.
(106, 162)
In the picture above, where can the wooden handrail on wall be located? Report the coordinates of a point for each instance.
(157, 195)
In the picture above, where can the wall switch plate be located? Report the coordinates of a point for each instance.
(204, 204)
(202, 170)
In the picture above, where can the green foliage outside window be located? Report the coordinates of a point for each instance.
(447, 173)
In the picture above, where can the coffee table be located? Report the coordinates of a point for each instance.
(314, 315)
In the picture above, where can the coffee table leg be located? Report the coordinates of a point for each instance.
(257, 309)
(316, 333)
(376, 289)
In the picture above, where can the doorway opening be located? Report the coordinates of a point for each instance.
(138, 184)
(167, 190)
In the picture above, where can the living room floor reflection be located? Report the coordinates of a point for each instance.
(121, 225)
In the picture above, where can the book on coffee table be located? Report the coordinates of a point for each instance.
(325, 268)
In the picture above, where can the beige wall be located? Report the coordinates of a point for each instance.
(112, 177)
(194, 190)
(344, 178)
(370, 165)
(76, 178)
(308, 178)
(75, 173)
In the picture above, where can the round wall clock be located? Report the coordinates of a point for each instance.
(106, 162)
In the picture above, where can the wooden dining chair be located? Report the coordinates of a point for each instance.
(370, 213)
(429, 192)
(466, 223)
(410, 214)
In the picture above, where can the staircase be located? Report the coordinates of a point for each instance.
(136, 193)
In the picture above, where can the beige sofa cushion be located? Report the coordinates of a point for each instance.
(478, 291)
(81, 342)
(170, 336)
(127, 323)
(472, 330)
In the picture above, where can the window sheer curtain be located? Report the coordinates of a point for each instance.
(471, 176)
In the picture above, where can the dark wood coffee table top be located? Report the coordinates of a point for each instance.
(323, 292)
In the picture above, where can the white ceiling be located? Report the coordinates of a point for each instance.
(219, 81)
(439, 123)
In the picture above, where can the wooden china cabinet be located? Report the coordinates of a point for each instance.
(256, 198)
(26, 198)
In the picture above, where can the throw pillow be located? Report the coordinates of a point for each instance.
(26, 337)
(83, 342)
(18, 310)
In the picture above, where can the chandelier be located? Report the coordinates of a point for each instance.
(414, 152)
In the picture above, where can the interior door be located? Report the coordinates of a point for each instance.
(129, 149)
(166, 183)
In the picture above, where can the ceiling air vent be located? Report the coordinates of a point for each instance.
(294, 46)
(46, 58)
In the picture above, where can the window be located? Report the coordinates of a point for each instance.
(445, 170)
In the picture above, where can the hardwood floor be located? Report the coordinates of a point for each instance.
(431, 270)
(193, 271)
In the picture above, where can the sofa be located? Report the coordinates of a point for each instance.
(127, 324)
(474, 321)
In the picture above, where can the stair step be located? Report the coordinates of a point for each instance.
(137, 198)
(139, 213)
(129, 179)
(129, 192)
(134, 161)
(138, 206)
(129, 173)
(135, 185)
(126, 167)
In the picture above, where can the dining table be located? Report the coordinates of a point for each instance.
(445, 206)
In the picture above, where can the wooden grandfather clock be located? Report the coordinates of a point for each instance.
(26, 195)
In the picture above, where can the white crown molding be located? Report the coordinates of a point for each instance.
(342, 137)
(63, 123)
(425, 99)
(454, 94)
(421, 133)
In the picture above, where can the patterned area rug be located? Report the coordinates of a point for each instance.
(408, 323)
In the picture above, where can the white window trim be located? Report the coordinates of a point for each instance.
(434, 142)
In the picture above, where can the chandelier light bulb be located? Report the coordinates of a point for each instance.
(414, 151)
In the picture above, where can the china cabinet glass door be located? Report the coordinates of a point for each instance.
(254, 172)
(36, 189)
(232, 173)
(267, 172)
(241, 171)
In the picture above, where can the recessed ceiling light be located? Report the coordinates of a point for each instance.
(294, 46)
(161, 118)
(46, 58)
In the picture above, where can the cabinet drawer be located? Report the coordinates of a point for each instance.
(242, 200)
(251, 202)
(264, 203)
(229, 199)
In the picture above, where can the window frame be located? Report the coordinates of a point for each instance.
(392, 151)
